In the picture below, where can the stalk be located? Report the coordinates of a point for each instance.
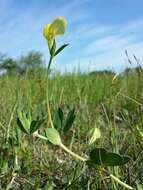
(120, 182)
(72, 153)
(47, 92)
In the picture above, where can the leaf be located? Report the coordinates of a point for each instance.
(99, 156)
(53, 136)
(21, 126)
(17, 135)
(69, 121)
(113, 159)
(96, 135)
(58, 120)
(60, 49)
(24, 121)
(35, 125)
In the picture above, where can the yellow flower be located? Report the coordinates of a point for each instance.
(57, 27)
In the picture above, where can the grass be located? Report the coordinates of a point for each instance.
(115, 107)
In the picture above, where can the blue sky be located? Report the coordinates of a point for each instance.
(99, 31)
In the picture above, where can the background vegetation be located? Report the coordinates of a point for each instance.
(113, 104)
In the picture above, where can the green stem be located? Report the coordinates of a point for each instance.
(120, 182)
(47, 93)
(40, 136)
(49, 65)
(117, 180)
(63, 147)
(72, 153)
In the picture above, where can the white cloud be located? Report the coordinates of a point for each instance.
(108, 43)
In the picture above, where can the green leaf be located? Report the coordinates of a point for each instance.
(60, 49)
(53, 136)
(24, 121)
(58, 120)
(69, 121)
(113, 159)
(35, 125)
(21, 126)
(99, 156)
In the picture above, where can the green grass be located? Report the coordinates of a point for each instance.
(115, 107)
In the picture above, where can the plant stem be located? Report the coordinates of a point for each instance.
(72, 153)
(40, 136)
(63, 147)
(120, 182)
(47, 92)
(117, 180)
(49, 65)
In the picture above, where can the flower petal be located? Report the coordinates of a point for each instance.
(58, 26)
(46, 31)
(48, 35)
